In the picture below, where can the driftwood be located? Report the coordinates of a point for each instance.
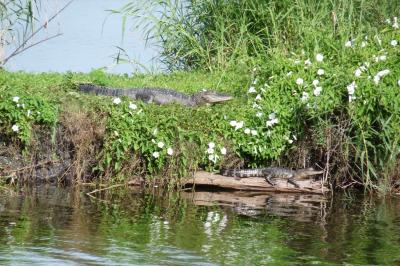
(253, 183)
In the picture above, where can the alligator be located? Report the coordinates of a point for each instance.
(159, 95)
(272, 172)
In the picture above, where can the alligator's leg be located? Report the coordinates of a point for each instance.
(291, 181)
(269, 181)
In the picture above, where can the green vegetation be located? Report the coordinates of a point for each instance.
(314, 83)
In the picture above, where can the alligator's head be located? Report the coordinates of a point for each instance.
(304, 173)
(210, 97)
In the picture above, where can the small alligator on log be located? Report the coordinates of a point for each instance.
(159, 95)
(273, 172)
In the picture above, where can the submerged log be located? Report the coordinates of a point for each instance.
(254, 183)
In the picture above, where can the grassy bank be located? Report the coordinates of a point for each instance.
(329, 99)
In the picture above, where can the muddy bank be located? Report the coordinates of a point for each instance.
(64, 154)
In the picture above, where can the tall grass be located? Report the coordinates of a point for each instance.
(212, 35)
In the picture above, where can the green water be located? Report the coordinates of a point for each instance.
(63, 226)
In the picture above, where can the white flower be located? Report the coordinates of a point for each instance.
(377, 79)
(317, 91)
(259, 114)
(363, 68)
(351, 98)
(275, 121)
(15, 128)
(319, 57)
(351, 88)
(239, 125)
(299, 81)
(307, 62)
(271, 116)
(213, 158)
(210, 150)
(252, 89)
(156, 154)
(255, 81)
(117, 100)
(290, 141)
(382, 58)
(211, 145)
(380, 74)
(15, 99)
(170, 151)
(247, 131)
(233, 123)
(383, 73)
(395, 23)
(272, 119)
(320, 72)
(223, 151)
(258, 97)
(349, 43)
(256, 106)
(315, 82)
(358, 72)
(304, 96)
(363, 44)
(388, 21)
(393, 43)
(132, 106)
(254, 132)
(289, 73)
(160, 144)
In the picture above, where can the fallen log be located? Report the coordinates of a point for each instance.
(253, 183)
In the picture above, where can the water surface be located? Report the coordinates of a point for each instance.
(63, 226)
(90, 37)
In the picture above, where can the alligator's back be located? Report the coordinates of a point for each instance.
(272, 172)
(148, 95)
(244, 173)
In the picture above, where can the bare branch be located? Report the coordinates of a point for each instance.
(44, 25)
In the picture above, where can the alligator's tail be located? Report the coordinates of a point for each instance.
(242, 173)
(100, 90)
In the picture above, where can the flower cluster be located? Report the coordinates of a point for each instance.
(212, 155)
(237, 125)
(272, 120)
(160, 145)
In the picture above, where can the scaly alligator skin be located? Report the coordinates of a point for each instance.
(272, 172)
(159, 95)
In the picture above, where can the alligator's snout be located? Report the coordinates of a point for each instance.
(212, 97)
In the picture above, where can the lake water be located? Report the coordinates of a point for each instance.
(50, 225)
(90, 39)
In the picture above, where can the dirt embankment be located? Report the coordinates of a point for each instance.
(64, 154)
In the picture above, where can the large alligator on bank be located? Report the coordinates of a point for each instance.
(273, 172)
(159, 95)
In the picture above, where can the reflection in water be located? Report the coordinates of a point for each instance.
(58, 226)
